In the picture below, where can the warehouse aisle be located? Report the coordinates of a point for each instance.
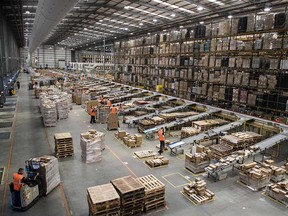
(29, 141)
(32, 139)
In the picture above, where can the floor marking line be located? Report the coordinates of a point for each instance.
(10, 157)
(61, 189)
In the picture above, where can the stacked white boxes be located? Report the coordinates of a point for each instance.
(92, 144)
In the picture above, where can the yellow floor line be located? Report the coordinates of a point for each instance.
(198, 174)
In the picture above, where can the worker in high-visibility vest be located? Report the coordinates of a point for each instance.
(161, 139)
(17, 185)
(113, 110)
(92, 113)
(108, 103)
(102, 99)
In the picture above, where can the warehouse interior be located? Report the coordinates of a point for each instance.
(147, 107)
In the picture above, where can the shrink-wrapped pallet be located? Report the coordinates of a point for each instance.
(92, 144)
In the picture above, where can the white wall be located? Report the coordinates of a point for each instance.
(51, 55)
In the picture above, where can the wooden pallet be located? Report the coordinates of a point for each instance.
(145, 154)
(155, 205)
(127, 186)
(64, 155)
(151, 184)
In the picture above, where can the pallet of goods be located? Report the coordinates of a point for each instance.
(157, 161)
(49, 169)
(63, 145)
(173, 116)
(145, 154)
(154, 192)
(278, 192)
(92, 144)
(205, 125)
(49, 114)
(103, 200)
(131, 193)
(188, 132)
(62, 108)
(112, 121)
(241, 140)
(197, 192)
(129, 140)
(277, 173)
(102, 114)
(254, 176)
(199, 160)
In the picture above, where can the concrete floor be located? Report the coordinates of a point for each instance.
(32, 139)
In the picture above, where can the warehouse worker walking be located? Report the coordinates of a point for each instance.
(17, 185)
(18, 84)
(113, 110)
(161, 139)
(92, 113)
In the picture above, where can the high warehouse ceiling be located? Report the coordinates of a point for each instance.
(90, 21)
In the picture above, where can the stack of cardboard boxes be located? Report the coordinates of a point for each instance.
(157, 161)
(254, 176)
(129, 140)
(112, 121)
(277, 173)
(278, 191)
(198, 161)
(197, 191)
(92, 144)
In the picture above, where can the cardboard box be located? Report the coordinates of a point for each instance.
(121, 134)
(78, 99)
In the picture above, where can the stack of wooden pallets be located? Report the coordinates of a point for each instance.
(103, 200)
(63, 145)
(131, 195)
(157, 161)
(197, 191)
(154, 192)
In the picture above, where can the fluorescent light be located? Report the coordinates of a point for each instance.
(131, 33)
(76, 7)
(148, 33)
(174, 6)
(140, 24)
(26, 23)
(200, 8)
(173, 15)
(85, 29)
(27, 12)
(126, 7)
(155, 20)
(147, 12)
(100, 20)
(230, 16)
(267, 9)
(201, 22)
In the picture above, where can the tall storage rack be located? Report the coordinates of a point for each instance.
(239, 63)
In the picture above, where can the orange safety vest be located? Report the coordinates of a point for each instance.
(17, 178)
(92, 112)
(113, 110)
(108, 103)
(161, 136)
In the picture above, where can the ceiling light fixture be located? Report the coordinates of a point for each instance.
(173, 15)
(85, 29)
(147, 12)
(201, 22)
(27, 12)
(141, 24)
(230, 17)
(267, 7)
(200, 8)
(155, 20)
(126, 7)
(174, 6)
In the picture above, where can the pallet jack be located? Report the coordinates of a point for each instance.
(32, 189)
